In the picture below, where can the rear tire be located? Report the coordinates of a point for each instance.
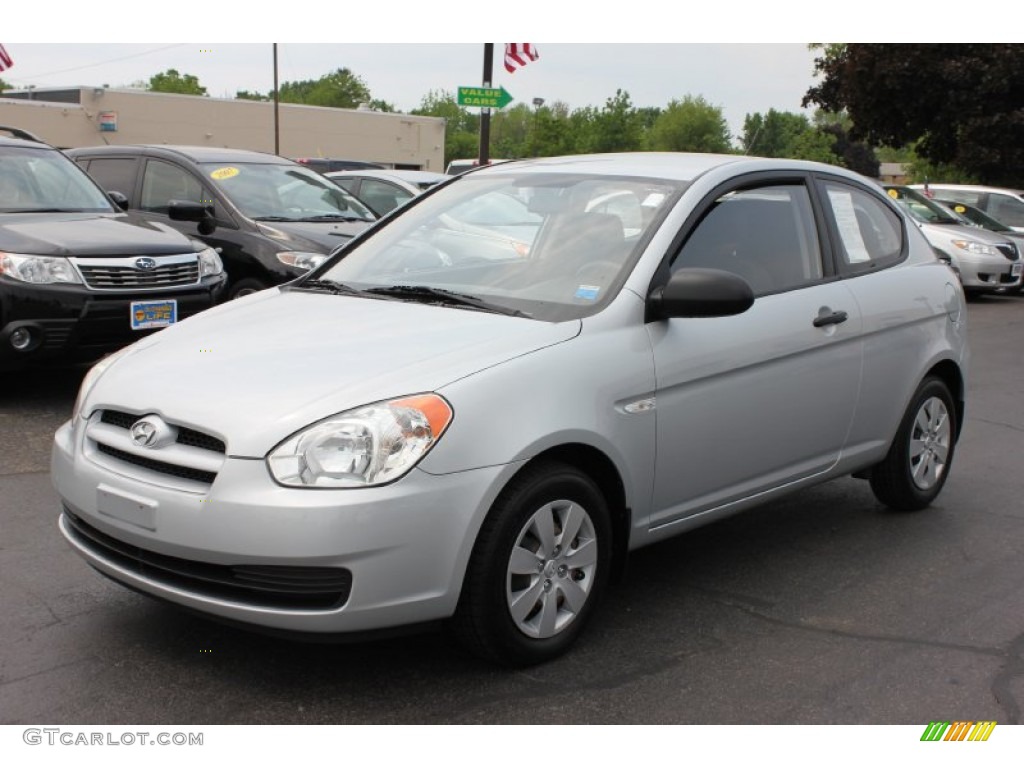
(538, 569)
(919, 459)
(245, 287)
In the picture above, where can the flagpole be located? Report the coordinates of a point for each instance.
(485, 113)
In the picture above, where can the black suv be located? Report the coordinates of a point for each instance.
(271, 219)
(78, 277)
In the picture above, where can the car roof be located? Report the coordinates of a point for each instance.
(7, 141)
(193, 153)
(970, 188)
(680, 166)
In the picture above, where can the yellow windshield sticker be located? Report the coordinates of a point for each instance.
(224, 173)
(960, 209)
(893, 194)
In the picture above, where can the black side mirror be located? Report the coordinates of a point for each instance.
(700, 293)
(118, 199)
(201, 213)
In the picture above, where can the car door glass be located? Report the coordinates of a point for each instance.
(869, 232)
(163, 182)
(765, 235)
(1006, 209)
(382, 196)
(114, 174)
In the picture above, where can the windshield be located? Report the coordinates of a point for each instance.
(975, 216)
(38, 180)
(271, 192)
(921, 208)
(552, 247)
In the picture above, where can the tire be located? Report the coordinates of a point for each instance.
(538, 569)
(921, 454)
(245, 287)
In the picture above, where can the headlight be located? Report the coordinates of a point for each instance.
(972, 246)
(37, 269)
(210, 263)
(367, 446)
(302, 259)
(90, 380)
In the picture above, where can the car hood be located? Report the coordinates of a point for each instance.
(256, 370)
(315, 236)
(88, 234)
(963, 231)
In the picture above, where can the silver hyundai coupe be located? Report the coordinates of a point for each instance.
(476, 409)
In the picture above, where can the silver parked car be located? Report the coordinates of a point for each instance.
(1006, 205)
(986, 262)
(427, 434)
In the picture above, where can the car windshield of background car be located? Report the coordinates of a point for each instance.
(43, 180)
(269, 192)
(921, 208)
(529, 243)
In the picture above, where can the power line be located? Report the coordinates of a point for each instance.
(99, 63)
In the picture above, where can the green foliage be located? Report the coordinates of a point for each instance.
(961, 103)
(340, 89)
(172, 81)
(462, 127)
(5, 86)
(774, 134)
(617, 127)
(252, 96)
(690, 125)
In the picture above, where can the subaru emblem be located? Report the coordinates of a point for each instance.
(145, 263)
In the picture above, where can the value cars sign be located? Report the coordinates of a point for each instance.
(475, 96)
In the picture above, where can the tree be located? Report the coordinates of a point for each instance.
(690, 125)
(340, 88)
(960, 103)
(173, 82)
(5, 86)
(252, 96)
(462, 128)
(617, 127)
(774, 134)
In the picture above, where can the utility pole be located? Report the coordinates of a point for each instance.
(277, 104)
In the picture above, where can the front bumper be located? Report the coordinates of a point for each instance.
(71, 323)
(987, 272)
(403, 547)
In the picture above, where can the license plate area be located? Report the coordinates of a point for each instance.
(153, 314)
(126, 507)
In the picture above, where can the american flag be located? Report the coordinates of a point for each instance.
(6, 62)
(519, 55)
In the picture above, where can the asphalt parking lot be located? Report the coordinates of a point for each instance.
(822, 608)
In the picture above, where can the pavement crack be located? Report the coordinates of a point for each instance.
(998, 424)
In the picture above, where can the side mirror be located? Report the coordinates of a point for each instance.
(118, 199)
(201, 213)
(698, 292)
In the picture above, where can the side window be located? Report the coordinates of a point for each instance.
(163, 182)
(1008, 210)
(114, 174)
(765, 235)
(960, 195)
(381, 196)
(869, 232)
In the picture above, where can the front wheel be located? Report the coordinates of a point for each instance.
(917, 465)
(539, 567)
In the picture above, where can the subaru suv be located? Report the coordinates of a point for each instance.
(78, 277)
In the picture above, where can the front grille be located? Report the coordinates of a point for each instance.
(174, 470)
(186, 436)
(271, 586)
(1009, 250)
(123, 274)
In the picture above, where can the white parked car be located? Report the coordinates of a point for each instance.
(415, 433)
(1005, 205)
(384, 191)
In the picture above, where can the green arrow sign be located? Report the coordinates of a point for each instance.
(471, 96)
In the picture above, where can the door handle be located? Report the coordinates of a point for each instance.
(834, 319)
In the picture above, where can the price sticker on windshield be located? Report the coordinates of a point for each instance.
(224, 173)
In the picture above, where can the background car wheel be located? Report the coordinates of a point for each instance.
(245, 287)
(919, 459)
(539, 566)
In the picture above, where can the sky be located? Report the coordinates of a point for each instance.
(739, 78)
(741, 56)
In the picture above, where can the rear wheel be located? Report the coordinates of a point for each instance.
(538, 568)
(917, 465)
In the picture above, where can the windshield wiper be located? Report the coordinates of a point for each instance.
(334, 217)
(428, 295)
(46, 210)
(273, 218)
(327, 286)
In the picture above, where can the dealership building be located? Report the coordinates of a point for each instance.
(88, 116)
